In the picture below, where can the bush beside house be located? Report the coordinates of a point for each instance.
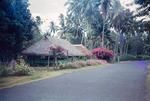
(80, 64)
(20, 69)
(103, 53)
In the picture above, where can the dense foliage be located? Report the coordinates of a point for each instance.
(15, 28)
(105, 23)
(93, 23)
(133, 57)
(144, 13)
(145, 7)
(103, 53)
(21, 69)
(81, 64)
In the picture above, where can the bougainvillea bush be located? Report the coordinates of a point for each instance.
(103, 53)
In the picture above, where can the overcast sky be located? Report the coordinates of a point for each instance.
(49, 10)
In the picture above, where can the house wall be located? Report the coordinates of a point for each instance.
(36, 61)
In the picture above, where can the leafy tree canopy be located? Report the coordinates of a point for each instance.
(15, 27)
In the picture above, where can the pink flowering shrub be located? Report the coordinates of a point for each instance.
(103, 53)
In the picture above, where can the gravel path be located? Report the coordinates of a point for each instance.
(117, 82)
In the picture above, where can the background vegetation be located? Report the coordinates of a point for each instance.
(93, 23)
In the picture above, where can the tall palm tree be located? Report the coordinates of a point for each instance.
(108, 9)
(62, 26)
(52, 29)
(86, 13)
(82, 14)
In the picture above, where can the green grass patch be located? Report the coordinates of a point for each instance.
(11, 81)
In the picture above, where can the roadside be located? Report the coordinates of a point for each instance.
(148, 84)
(11, 81)
(113, 82)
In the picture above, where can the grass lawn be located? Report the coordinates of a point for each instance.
(11, 81)
(148, 84)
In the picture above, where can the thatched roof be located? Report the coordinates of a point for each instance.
(42, 47)
(83, 49)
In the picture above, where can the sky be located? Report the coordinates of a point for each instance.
(49, 10)
(129, 4)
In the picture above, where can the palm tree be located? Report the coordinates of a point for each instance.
(125, 26)
(62, 27)
(108, 9)
(82, 14)
(85, 14)
(52, 29)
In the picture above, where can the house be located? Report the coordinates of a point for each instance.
(84, 50)
(39, 52)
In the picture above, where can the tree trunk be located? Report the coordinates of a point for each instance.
(56, 62)
(102, 43)
(82, 40)
(48, 62)
(116, 49)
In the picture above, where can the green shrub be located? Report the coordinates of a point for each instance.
(92, 62)
(22, 70)
(132, 57)
(73, 65)
(143, 57)
(127, 57)
(80, 64)
(146, 57)
(61, 66)
(5, 71)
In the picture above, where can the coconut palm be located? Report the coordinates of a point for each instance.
(62, 27)
(52, 29)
